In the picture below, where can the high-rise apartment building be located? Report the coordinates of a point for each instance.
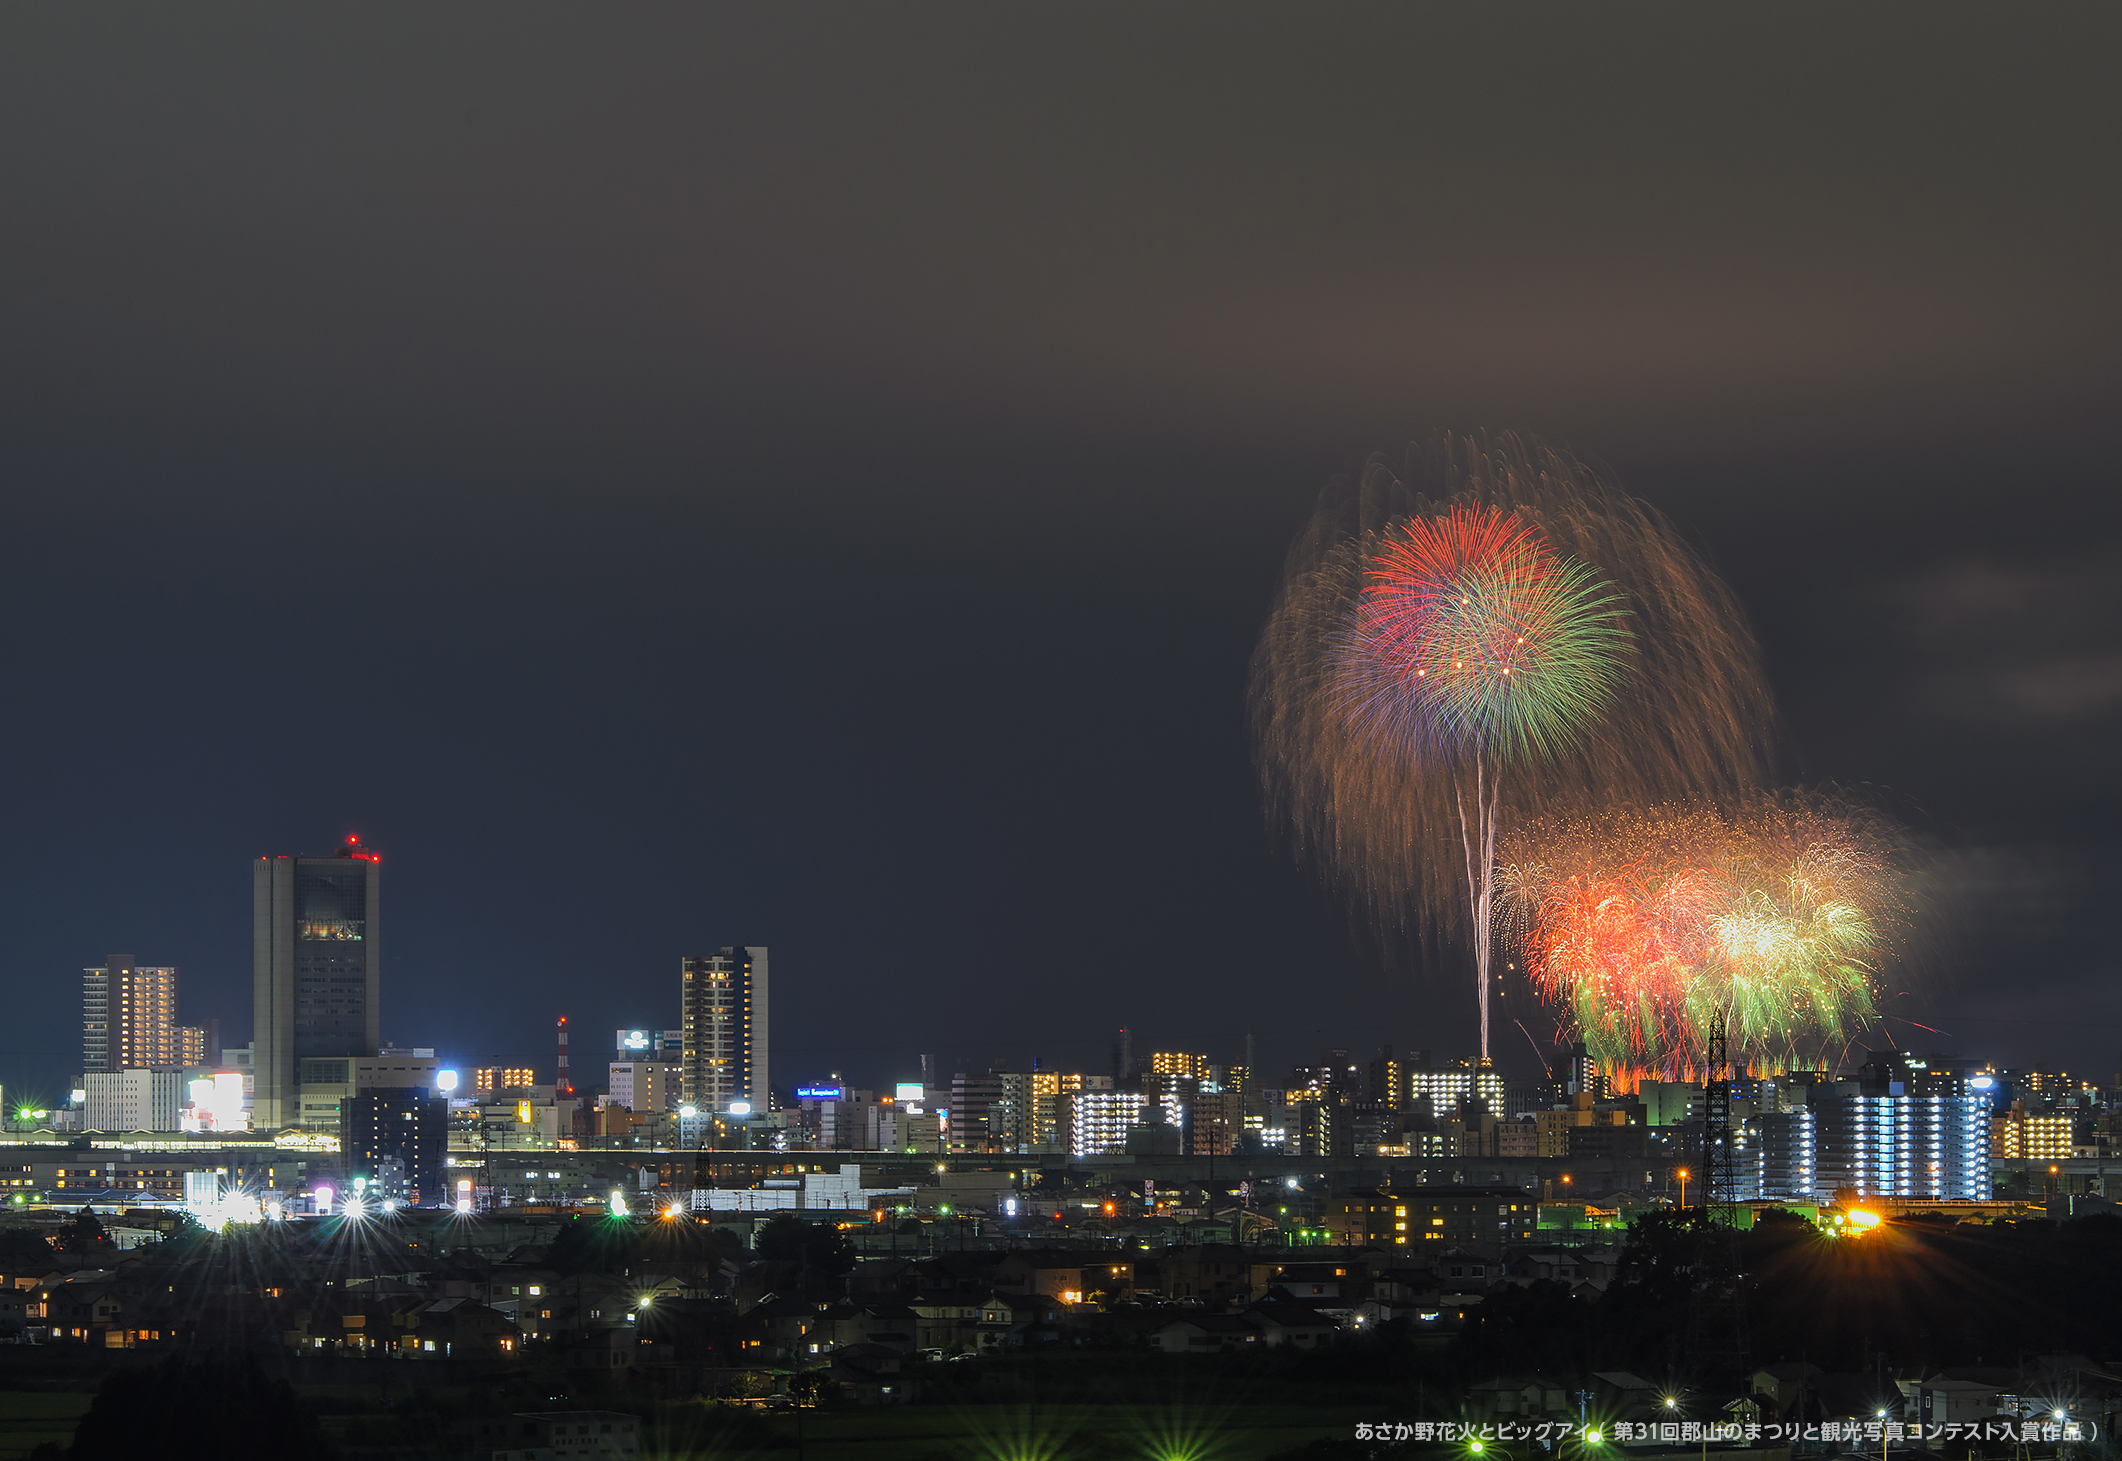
(1446, 1089)
(129, 1016)
(1042, 1087)
(2016, 1136)
(723, 998)
(315, 967)
(1906, 1127)
(1178, 1062)
(1095, 1122)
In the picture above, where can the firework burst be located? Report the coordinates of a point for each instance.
(1472, 635)
(1398, 720)
(1649, 927)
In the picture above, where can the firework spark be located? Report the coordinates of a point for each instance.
(1640, 679)
(1649, 927)
(1473, 635)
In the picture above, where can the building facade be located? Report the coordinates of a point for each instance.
(1095, 1122)
(398, 1135)
(1446, 1089)
(134, 1100)
(1904, 1128)
(315, 969)
(129, 1016)
(327, 1085)
(645, 1086)
(724, 1000)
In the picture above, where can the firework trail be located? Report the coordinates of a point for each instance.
(1491, 634)
(1649, 926)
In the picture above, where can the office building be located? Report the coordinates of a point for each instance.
(398, 1138)
(315, 966)
(129, 1016)
(487, 1079)
(973, 1095)
(134, 1100)
(645, 1086)
(723, 997)
(327, 1085)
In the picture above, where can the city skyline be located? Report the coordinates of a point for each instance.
(1413, 708)
(890, 596)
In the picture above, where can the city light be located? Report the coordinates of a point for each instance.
(618, 1204)
(740, 1108)
(445, 1080)
(1862, 1220)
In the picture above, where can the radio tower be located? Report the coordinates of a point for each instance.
(562, 1086)
(1716, 1319)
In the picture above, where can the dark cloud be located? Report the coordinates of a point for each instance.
(815, 475)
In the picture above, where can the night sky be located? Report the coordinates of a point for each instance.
(813, 476)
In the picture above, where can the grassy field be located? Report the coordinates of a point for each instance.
(29, 1420)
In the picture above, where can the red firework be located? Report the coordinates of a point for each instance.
(1623, 950)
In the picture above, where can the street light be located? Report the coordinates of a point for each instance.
(1683, 1187)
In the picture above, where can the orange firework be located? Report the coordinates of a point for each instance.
(1648, 927)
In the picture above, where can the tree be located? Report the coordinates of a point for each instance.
(821, 1249)
(84, 1234)
(19, 1247)
(593, 1245)
(186, 1411)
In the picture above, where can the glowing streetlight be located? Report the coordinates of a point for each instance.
(618, 1207)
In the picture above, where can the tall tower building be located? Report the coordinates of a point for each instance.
(314, 969)
(723, 996)
(129, 1016)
